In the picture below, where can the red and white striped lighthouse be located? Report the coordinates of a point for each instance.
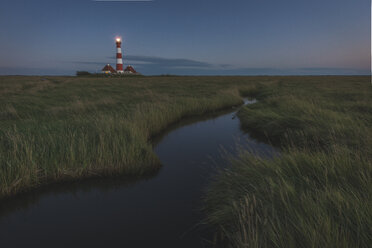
(119, 56)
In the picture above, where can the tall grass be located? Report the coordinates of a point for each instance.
(65, 128)
(317, 193)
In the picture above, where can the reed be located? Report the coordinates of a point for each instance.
(66, 128)
(317, 192)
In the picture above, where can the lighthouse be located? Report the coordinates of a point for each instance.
(119, 56)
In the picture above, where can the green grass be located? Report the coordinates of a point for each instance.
(67, 128)
(317, 193)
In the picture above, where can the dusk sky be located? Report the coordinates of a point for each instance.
(187, 37)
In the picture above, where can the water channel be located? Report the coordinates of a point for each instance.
(163, 210)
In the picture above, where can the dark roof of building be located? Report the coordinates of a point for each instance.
(129, 68)
(109, 68)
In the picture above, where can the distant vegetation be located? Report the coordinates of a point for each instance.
(83, 73)
(317, 193)
(106, 75)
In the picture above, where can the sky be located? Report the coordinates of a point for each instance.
(187, 37)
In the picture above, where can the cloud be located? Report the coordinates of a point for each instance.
(166, 62)
(331, 71)
(36, 71)
(87, 62)
(158, 62)
(152, 65)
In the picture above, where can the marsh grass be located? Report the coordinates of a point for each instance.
(317, 193)
(67, 128)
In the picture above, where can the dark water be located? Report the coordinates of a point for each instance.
(161, 211)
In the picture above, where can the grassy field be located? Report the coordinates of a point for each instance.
(317, 193)
(67, 128)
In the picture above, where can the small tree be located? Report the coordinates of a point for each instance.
(83, 73)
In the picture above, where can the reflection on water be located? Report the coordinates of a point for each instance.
(162, 211)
